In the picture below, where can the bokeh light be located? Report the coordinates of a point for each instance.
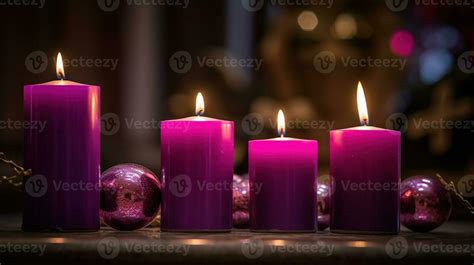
(345, 26)
(308, 20)
(434, 65)
(443, 37)
(402, 43)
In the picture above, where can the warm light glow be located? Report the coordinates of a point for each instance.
(357, 244)
(197, 242)
(60, 67)
(308, 20)
(199, 104)
(345, 27)
(362, 106)
(281, 123)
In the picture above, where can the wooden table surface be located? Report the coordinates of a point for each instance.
(452, 243)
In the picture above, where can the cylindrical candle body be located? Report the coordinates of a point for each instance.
(365, 180)
(63, 151)
(282, 177)
(197, 159)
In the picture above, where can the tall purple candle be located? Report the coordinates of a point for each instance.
(282, 176)
(63, 192)
(365, 171)
(197, 159)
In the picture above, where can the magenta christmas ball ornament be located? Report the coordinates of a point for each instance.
(424, 204)
(130, 197)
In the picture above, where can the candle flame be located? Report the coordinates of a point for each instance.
(281, 124)
(362, 106)
(60, 67)
(199, 104)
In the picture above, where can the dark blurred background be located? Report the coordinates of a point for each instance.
(415, 61)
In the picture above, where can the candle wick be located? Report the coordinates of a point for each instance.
(282, 133)
(365, 122)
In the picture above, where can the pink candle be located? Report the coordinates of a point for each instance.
(365, 177)
(197, 158)
(63, 192)
(282, 175)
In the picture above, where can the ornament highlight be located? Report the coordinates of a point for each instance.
(324, 210)
(240, 206)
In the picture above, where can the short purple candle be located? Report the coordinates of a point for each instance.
(197, 159)
(63, 192)
(282, 175)
(365, 177)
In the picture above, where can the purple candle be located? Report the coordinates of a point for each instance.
(197, 159)
(365, 171)
(282, 175)
(63, 192)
